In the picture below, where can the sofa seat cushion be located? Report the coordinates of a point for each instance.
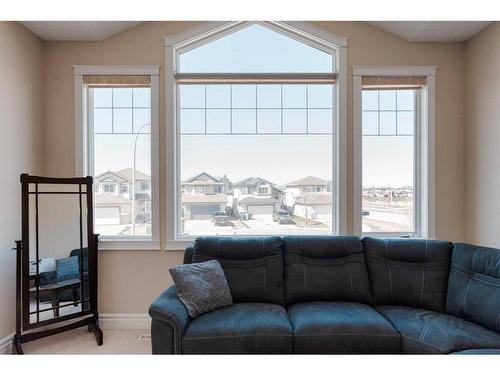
(247, 327)
(427, 332)
(341, 327)
(479, 351)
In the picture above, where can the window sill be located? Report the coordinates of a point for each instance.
(128, 245)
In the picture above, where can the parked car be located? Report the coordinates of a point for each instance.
(220, 218)
(282, 217)
(365, 213)
(245, 216)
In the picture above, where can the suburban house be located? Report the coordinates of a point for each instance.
(203, 195)
(113, 197)
(314, 206)
(256, 196)
(308, 184)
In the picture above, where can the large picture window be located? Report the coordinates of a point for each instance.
(255, 123)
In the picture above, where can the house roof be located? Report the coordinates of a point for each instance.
(308, 181)
(253, 181)
(204, 179)
(258, 201)
(110, 199)
(212, 198)
(125, 175)
(315, 198)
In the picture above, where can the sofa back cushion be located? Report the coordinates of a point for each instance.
(474, 285)
(325, 268)
(253, 265)
(409, 272)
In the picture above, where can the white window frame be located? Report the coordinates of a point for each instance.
(209, 31)
(425, 179)
(84, 147)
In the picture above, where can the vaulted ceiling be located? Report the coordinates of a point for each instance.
(414, 31)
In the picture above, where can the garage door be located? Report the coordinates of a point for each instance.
(204, 212)
(261, 210)
(107, 215)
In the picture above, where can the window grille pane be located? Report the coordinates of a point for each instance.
(103, 98)
(244, 121)
(406, 123)
(320, 121)
(387, 100)
(192, 96)
(406, 100)
(370, 100)
(320, 96)
(192, 121)
(269, 96)
(141, 96)
(218, 96)
(268, 121)
(294, 96)
(244, 96)
(103, 120)
(122, 97)
(370, 123)
(387, 123)
(218, 121)
(294, 121)
(122, 120)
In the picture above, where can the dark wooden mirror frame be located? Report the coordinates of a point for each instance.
(25, 329)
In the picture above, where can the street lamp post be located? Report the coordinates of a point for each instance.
(133, 176)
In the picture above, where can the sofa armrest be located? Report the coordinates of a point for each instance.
(169, 322)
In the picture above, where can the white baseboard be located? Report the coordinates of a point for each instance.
(125, 321)
(6, 344)
(106, 321)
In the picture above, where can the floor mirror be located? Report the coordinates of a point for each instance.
(56, 286)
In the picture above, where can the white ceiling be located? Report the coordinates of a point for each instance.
(432, 31)
(81, 31)
(414, 31)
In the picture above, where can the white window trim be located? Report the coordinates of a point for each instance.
(83, 154)
(208, 31)
(425, 159)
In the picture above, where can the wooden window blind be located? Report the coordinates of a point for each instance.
(392, 82)
(117, 80)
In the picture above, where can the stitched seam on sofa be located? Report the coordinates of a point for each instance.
(423, 271)
(350, 279)
(347, 334)
(466, 293)
(389, 274)
(476, 275)
(169, 319)
(408, 265)
(237, 336)
(265, 279)
(329, 262)
(426, 327)
(498, 320)
(423, 343)
(270, 259)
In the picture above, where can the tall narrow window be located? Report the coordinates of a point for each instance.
(255, 122)
(389, 145)
(119, 123)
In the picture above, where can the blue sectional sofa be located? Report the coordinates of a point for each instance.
(337, 295)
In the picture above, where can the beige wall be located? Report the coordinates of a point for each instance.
(482, 219)
(130, 280)
(20, 146)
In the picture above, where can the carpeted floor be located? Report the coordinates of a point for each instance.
(82, 342)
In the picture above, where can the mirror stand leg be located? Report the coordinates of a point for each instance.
(16, 345)
(94, 327)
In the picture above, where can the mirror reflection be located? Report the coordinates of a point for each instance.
(58, 277)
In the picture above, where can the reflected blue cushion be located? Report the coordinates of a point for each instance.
(67, 268)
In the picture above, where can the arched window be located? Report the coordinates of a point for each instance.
(252, 104)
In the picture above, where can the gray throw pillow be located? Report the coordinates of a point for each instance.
(201, 287)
